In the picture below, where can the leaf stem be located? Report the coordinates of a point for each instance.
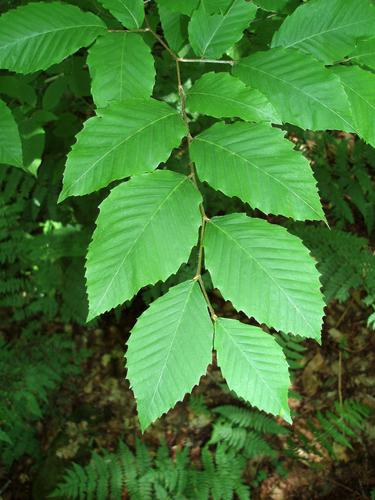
(160, 40)
(193, 176)
(206, 61)
(205, 295)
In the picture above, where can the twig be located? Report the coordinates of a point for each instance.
(198, 274)
(140, 30)
(206, 61)
(160, 40)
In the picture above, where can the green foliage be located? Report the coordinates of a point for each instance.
(10, 142)
(344, 171)
(345, 261)
(155, 109)
(31, 369)
(30, 253)
(211, 34)
(129, 12)
(172, 341)
(245, 431)
(156, 205)
(151, 130)
(241, 351)
(323, 103)
(339, 426)
(364, 53)
(358, 84)
(37, 35)
(327, 37)
(221, 95)
(145, 477)
(266, 255)
(293, 349)
(238, 160)
(121, 67)
(272, 5)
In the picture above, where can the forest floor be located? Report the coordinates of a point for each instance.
(96, 410)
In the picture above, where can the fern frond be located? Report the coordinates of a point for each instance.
(342, 426)
(344, 260)
(251, 419)
(293, 349)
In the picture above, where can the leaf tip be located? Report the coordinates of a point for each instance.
(92, 314)
(63, 196)
(285, 415)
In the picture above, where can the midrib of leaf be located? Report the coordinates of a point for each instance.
(345, 84)
(217, 28)
(260, 170)
(43, 33)
(172, 342)
(131, 13)
(252, 363)
(117, 146)
(290, 300)
(314, 35)
(271, 75)
(230, 99)
(157, 210)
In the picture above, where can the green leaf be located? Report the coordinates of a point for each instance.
(10, 141)
(300, 88)
(216, 6)
(4, 438)
(265, 272)
(181, 6)
(130, 13)
(174, 27)
(33, 142)
(53, 94)
(364, 52)
(169, 350)
(272, 5)
(359, 86)
(145, 230)
(211, 35)
(254, 366)
(17, 88)
(224, 96)
(255, 163)
(128, 138)
(121, 67)
(38, 35)
(327, 30)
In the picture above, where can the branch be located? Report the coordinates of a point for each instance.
(193, 176)
(206, 61)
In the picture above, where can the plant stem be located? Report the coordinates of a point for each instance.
(205, 295)
(206, 61)
(160, 40)
(193, 176)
